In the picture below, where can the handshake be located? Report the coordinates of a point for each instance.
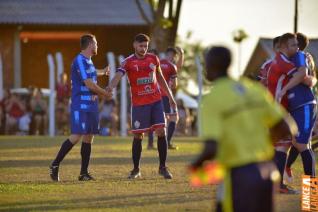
(108, 92)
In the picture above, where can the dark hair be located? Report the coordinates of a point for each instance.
(172, 50)
(303, 41)
(86, 40)
(285, 37)
(141, 38)
(218, 58)
(276, 41)
(153, 51)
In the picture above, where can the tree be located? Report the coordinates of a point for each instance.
(165, 15)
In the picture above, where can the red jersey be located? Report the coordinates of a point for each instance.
(264, 71)
(278, 76)
(142, 78)
(169, 72)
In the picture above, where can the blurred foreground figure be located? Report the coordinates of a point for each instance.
(236, 116)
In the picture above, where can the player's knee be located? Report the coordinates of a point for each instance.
(173, 119)
(160, 132)
(301, 147)
(74, 139)
(139, 136)
(281, 148)
(88, 139)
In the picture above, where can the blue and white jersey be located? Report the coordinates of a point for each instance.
(301, 94)
(82, 98)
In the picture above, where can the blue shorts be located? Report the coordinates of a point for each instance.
(305, 118)
(84, 123)
(166, 105)
(147, 117)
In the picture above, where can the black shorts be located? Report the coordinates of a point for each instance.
(250, 188)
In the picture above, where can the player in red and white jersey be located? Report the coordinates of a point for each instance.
(173, 60)
(266, 65)
(144, 75)
(279, 74)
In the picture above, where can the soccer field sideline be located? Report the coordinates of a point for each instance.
(25, 184)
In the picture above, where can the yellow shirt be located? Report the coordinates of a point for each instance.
(238, 115)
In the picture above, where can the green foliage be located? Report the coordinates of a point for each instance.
(166, 23)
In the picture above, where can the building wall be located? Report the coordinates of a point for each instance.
(6, 51)
(34, 66)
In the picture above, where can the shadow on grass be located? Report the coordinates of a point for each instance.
(96, 161)
(119, 201)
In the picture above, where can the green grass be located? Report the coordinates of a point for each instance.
(25, 184)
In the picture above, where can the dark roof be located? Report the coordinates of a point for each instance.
(73, 12)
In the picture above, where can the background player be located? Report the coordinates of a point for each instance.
(266, 65)
(234, 140)
(84, 107)
(173, 61)
(144, 74)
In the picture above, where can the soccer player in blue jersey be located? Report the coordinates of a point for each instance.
(84, 107)
(302, 107)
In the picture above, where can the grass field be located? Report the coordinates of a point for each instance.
(26, 186)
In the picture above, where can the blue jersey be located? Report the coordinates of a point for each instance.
(301, 94)
(82, 98)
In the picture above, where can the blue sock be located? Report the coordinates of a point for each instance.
(280, 160)
(86, 155)
(136, 152)
(150, 138)
(171, 128)
(308, 158)
(162, 150)
(65, 148)
(292, 156)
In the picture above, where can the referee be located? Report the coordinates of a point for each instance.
(236, 118)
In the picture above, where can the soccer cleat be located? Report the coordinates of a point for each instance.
(285, 189)
(85, 177)
(173, 147)
(163, 171)
(54, 173)
(288, 175)
(135, 173)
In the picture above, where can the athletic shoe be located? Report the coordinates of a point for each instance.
(85, 177)
(135, 173)
(151, 147)
(173, 147)
(288, 175)
(54, 173)
(163, 171)
(285, 189)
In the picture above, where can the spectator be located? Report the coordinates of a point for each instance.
(62, 106)
(63, 89)
(108, 117)
(6, 95)
(16, 111)
(39, 112)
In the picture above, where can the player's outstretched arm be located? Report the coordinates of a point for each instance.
(163, 84)
(208, 153)
(104, 71)
(96, 89)
(114, 82)
(180, 61)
